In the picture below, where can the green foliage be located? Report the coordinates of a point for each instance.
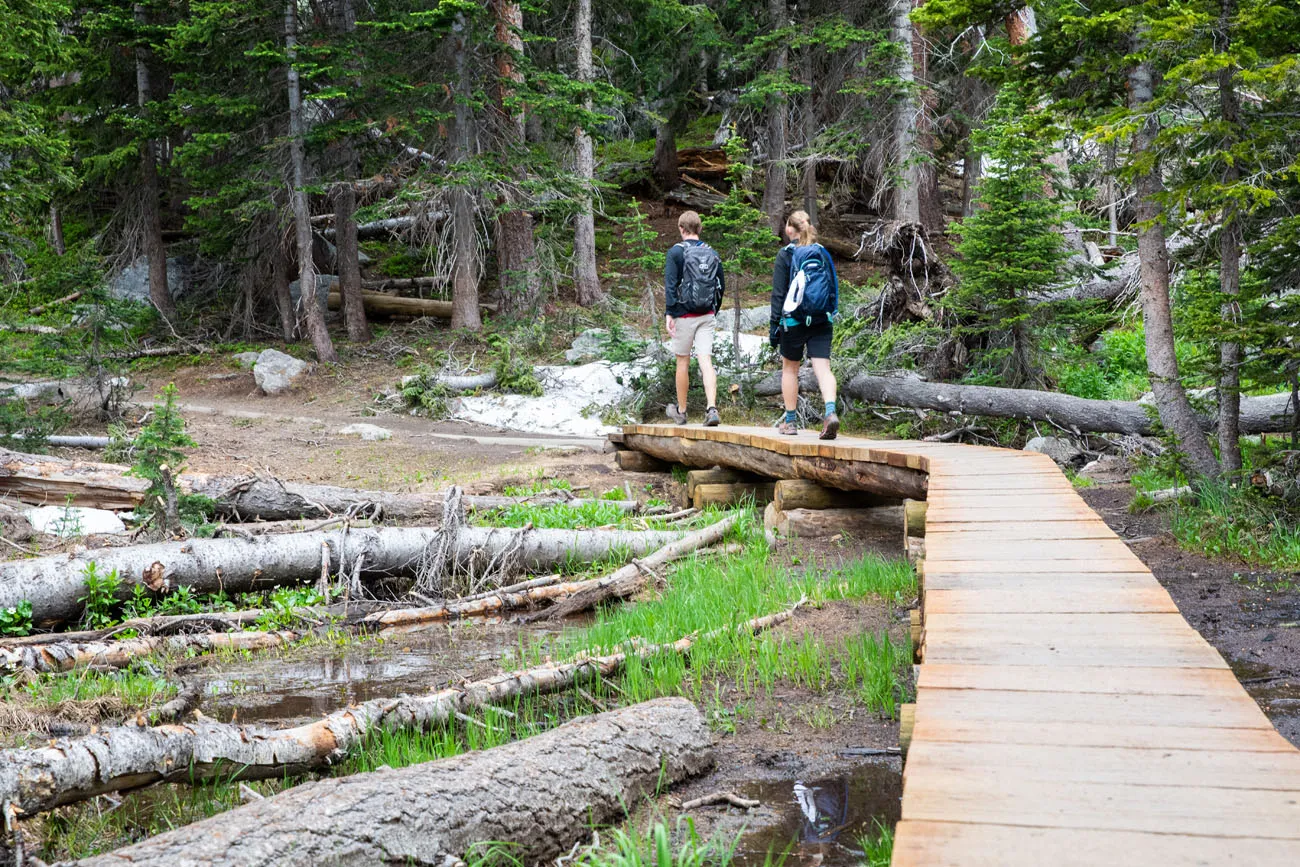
(878, 846)
(1010, 248)
(27, 428)
(514, 374)
(422, 391)
(159, 458)
(281, 604)
(616, 346)
(16, 619)
(101, 602)
(657, 847)
(735, 228)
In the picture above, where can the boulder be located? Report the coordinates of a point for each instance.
(1108, 469)
(1059, 449)
(325, 284)
(277, 372)
(132, 283)
(246, 360)
(751, 319)
(368, 432)
(590, 344)
(71, 521)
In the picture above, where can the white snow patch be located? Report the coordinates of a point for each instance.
(69, 521)
(571, 405)
(368, 432)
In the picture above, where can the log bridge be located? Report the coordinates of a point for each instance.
(1066, 713)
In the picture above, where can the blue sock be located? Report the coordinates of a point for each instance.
(791, 416)
(830, 407)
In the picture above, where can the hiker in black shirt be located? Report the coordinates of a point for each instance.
(693, 289)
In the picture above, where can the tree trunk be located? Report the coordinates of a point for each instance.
(585, 277)
(280, 291)
(809, 178)
(850, 475)
(55, 585)
(309, 310)
(820, 523)
(385, 304)
(464, 233)
(1110, 194)
(1264, 414)
(907, 182)
(349, 265)
(1230, 239)
(1176, 411)
(56, 232)
(926, 178)
(664, 168)
(774, 183)
(518, 279)
(155, 251)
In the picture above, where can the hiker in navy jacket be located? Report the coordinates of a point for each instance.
(693, 289)
(804, 324)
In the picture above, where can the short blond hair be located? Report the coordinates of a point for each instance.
(689, 222)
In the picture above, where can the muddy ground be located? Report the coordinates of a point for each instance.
(1251, 616)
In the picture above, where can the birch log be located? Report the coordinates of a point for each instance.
(44, 479)
(54, 584)
(130, 757)
(542, 794)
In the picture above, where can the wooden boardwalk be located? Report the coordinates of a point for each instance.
(1066, 713)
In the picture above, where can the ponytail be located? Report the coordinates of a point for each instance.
(802, 223)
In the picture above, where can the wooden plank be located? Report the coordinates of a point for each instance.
(1067, 569)
(1208, 682)
(1155, 809)
(1009, 764)
(1156, 737)
(1132, 650)
(968, 548)
(1118, 710)
(943, 579)
(919, 843)
(1000, 627)
(1055, 599)
(1072, 529)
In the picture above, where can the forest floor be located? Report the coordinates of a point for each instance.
(1250, 615)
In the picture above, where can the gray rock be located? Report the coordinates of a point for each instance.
(246, 360)
(132, 284)
(590, 344)
(277, 372)
(368, 432)
(1058, 449)
(751, 319)
(1108, 468)
(325, 284)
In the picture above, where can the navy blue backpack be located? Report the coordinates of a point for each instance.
(814, 294)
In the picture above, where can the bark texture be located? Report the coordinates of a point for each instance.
(155, 251)
(464, 233)
(542, 794)
(518, 278)
(1176, 411)
(907, 186)
(889, 481)
(308, 309)
(54, 584)
(1264, 414)
(664, 168)
(349, 262)
(1230, 242)
(774, 183)
(586, 279)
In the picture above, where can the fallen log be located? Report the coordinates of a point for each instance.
(390, 226)
(453, 382)
(913, 519)
(716, 476)
(63, 441)
(383, 304)
(632, 577)
(639, 462)
(731, 494)
(822, 523)
(540, 796)
(1263, 414)
(55, 584)
(41, 308)
(44, 479)
(131, 757)
(803, 494)
(849, 475)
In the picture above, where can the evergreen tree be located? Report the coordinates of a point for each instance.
(1010, 248)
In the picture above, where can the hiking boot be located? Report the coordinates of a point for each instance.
(711, 417)
(675, 415)
(787, 428)
(830, 427)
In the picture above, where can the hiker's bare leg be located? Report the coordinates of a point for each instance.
(790, 383)
(683, 380)
(710, 377)
(825, 379)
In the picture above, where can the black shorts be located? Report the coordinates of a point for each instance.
(817, 338)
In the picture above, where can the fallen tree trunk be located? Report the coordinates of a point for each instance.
(44, 479)
(453, 382)
(62, 441)
(54, 585)
(130, 757)
(821, 523)
(383, 304)
(540, 796)
(1264, 414)
(391, 226)
(849, 475)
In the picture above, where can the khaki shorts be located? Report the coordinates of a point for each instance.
(696, 331)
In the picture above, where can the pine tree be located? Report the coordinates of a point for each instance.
(159, 459)
(1010, 247)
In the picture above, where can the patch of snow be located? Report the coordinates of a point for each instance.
(571, 405)
(69, 521)
(368, 432)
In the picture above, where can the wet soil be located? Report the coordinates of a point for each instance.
(1250, 615)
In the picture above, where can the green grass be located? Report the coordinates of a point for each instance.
(1237, 522)
(135, 689)
(878, 847)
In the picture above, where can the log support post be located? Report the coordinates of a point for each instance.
(906, 724)
(804, 494)
(913, 520)
(730, 494)
(716, 476)
(917, 633)
(639, 462)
